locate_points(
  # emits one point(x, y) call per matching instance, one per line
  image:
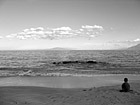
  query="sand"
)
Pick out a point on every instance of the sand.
point(100, 95)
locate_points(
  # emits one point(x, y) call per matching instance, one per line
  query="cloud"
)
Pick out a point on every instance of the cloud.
point(111, 45)
point(1, 37)
point(93, 27)
point(126, 43)
point(58, 33)
point(63, 29)
point(92, 31)
point(137, 40)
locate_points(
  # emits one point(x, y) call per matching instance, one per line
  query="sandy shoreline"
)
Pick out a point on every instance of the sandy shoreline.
point(67, 82)
point(103, 91)
point(108, 95)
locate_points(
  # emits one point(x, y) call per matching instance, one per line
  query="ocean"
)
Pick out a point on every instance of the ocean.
point(36, 62)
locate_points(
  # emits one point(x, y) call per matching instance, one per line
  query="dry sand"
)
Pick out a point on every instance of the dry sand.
point(104, 95)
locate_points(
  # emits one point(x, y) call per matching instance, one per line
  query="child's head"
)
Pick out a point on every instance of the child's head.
point(125, 79)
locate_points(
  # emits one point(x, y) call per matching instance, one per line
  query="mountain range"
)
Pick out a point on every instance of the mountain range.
point(136, 47)
point(60, 48)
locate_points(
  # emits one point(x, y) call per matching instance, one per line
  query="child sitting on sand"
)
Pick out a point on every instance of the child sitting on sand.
point(125, 86)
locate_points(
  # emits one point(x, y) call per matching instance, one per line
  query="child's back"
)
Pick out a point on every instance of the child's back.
point(125, 87)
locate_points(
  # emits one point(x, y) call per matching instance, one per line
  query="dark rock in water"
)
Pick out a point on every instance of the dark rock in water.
point(54, 63)
point(3, 68)
point(94, 62)
point(66, 62)
point(76, 62)
point(84, 65)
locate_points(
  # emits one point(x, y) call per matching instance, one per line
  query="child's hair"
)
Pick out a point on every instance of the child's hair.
point(125, 79)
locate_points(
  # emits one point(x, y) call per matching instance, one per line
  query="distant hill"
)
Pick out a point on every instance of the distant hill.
point(136, 47)
point(59, 48)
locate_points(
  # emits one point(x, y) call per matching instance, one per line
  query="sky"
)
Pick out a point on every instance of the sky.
point(76, 24)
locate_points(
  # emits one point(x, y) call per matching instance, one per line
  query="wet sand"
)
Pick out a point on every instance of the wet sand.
point(68, 82)
point(23, 93)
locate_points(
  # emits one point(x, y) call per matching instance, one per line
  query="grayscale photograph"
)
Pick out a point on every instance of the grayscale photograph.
point(69, 52)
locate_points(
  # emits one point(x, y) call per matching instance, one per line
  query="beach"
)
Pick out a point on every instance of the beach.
point(28, 91)
point(69, 52)
point(76, 78)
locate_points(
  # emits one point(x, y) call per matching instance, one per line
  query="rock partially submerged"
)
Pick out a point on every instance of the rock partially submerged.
point(79, 62)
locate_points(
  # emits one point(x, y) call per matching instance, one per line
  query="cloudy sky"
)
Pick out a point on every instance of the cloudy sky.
point(78, 24)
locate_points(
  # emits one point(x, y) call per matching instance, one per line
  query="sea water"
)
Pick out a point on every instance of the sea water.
point(41, 60)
